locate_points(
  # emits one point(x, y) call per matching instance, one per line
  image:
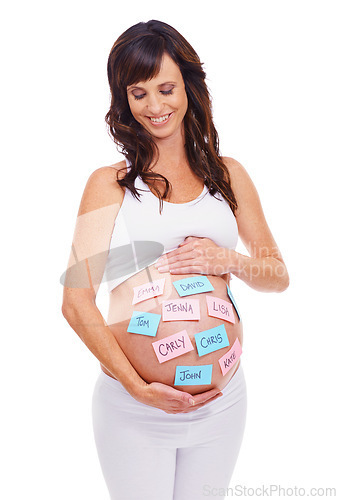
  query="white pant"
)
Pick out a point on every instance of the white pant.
point(147, 454)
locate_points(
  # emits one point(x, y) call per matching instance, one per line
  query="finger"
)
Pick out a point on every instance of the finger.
point(205, 396)
point(186, 266)
point(174, 253)
point(181, 399)
point(185, 261)
point(196, 400)
point(195, 407)
point(181, 250)
point(207, 401)
point(184, 409)
point(178, 260)
point(188, 239)
point(189, 255)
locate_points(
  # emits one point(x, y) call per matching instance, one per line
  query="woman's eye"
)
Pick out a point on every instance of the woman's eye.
point(163, 92)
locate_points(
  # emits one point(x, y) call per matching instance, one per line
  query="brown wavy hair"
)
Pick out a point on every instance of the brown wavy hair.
point(136, 56)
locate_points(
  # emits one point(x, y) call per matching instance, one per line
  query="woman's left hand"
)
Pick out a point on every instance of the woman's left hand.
point(197, 256)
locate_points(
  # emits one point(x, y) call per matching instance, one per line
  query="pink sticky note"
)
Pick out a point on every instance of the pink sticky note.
point(180, 309)
point(219, 308)
point(230, 358)
point(148, 290)
point(172, 346)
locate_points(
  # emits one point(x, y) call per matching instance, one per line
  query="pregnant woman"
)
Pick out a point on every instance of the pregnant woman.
point(161, 228)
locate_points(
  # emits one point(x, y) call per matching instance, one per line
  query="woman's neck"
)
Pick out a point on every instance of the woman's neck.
point(172, 157)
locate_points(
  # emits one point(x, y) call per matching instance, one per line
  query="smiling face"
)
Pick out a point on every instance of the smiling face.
point(160, 103)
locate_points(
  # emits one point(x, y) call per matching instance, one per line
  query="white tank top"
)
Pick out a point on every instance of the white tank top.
point(141, 234)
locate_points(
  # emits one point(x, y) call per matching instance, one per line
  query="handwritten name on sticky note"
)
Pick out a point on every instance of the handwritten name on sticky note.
point(230, 358)
point(190, 286)
point(148, 290)
point(144, 323)
point(211, 340)
point(193, 375)
point(172, 346)
point(231, 297)
point(219, 308)
point(180, 309)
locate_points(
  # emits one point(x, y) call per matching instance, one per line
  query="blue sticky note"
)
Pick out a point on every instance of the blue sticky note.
point(211, 340)
point(195, 284)
point(231, 297)
point(193, 375)
point(144, 323)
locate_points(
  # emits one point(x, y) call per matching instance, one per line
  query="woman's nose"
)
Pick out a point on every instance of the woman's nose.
point(155, 104)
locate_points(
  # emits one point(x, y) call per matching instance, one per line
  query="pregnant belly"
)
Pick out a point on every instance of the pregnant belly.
point(139, 349)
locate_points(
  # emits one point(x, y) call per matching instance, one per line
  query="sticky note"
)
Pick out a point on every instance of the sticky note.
point(144, 323)
point(148, 290)
point(230, 357)
point(193, 375)
point(211, 340)
point(219, 308)
point(231, 297)
point(172, 346)
point(195, 284)
point(180, 309)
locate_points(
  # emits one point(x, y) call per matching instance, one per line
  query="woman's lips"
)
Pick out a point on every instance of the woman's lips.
point(161, 122)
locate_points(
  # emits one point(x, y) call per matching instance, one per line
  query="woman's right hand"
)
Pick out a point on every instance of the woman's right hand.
point(171, 400)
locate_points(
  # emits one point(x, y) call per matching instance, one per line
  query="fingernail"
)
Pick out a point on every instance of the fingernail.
point(163, 268)
point(191, 401)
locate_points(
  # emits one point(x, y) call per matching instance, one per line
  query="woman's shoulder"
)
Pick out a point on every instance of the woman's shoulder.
point(234, 166)
point(102, 188)
point(108, 175)
point(243, 187)
point(239, 176)
point(111, 171)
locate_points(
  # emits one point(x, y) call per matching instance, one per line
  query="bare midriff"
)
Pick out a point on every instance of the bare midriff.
point(138, 348)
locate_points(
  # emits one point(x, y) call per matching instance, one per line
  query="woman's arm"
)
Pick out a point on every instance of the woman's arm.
point(99, 206)
point(98, 209)
point(263, 270)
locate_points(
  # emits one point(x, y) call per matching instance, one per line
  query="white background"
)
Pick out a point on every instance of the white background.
point(271, 68)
